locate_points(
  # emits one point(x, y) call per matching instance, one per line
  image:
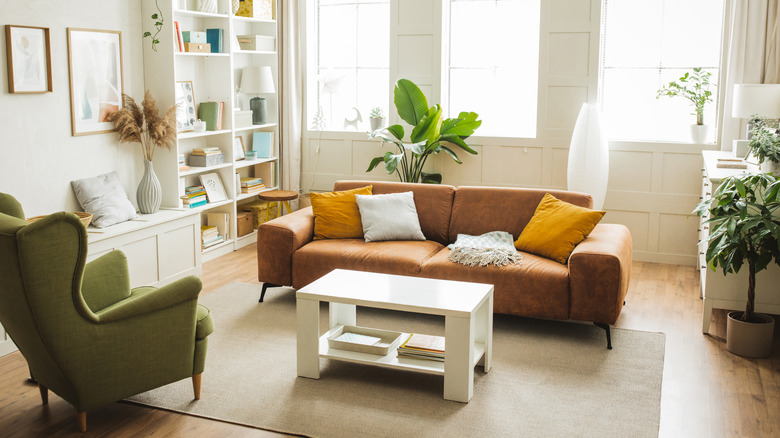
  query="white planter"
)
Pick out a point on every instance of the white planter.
point(750, 339)
point(699, 133)
point(376, 123)
point(770, 167)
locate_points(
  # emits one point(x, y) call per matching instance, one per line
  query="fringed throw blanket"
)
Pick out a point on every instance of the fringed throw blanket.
point(496, 247)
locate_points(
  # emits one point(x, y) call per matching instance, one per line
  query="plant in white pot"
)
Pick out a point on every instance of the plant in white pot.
point(745, 229)
point(694, 87)
point(376, 118)
point(765, 145)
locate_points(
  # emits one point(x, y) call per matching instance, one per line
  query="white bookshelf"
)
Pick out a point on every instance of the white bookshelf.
point(214, 77)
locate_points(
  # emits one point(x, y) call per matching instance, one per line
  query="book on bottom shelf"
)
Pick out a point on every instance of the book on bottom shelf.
point(418, 346)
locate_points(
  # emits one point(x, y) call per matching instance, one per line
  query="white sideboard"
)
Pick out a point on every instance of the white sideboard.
point(730, 291)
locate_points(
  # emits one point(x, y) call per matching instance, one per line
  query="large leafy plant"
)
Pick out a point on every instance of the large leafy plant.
point(765, 141)
point(431, 134)
point(744, 227)
point(694, 87)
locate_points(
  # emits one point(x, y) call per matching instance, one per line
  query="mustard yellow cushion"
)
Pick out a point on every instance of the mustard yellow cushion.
point(336, 214)
point(556, 228)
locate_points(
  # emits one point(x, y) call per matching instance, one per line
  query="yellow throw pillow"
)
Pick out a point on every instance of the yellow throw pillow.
point(336, 214)
point(556, 228)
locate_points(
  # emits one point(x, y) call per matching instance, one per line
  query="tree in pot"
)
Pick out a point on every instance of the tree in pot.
point(744, 228)
point(765, 145)
point(431, 134)
point(694, 87)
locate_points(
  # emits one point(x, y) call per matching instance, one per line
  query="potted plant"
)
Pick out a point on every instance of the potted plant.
point(376, 118)
point(431, 134)
point(765, 145)
point(744, 228)
point(696, 88)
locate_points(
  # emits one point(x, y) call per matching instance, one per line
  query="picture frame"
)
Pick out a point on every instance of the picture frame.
point(238, 149)
point(96, 79)
point(28, 55)
point(215, 190)
point(186, 113)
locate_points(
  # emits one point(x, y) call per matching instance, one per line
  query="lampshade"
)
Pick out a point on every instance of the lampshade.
point(760, 99)
point(257, 80)
point(588, 169)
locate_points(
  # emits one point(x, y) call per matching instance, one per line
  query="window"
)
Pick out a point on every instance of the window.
point(493, 64)
point(645, 46)
point(349, 61)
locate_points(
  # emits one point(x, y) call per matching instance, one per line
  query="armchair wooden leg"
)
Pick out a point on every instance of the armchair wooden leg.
point(44, 394)
point(196, 385)
point(82, 418)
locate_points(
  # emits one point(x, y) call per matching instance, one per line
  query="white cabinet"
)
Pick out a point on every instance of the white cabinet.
point(730, 291)
point(215, 77)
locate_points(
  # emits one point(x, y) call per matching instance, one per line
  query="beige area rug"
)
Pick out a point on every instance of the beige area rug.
point(548, 378)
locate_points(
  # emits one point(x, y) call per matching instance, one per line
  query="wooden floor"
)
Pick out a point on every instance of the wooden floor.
point(707, 391)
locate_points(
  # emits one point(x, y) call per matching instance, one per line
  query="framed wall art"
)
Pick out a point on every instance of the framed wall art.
point(238, 149)
point(28, 51)
point(185, 106)
point(215, 191)
point(96, 83)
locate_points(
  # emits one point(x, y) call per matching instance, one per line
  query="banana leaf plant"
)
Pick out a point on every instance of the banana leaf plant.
point(431, 134)
point(745, 227)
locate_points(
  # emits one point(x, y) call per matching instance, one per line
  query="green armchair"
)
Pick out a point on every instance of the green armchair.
point(84, 333)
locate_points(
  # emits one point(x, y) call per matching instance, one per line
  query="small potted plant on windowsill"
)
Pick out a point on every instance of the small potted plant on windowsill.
point(696, 88)
point(376, 118)
point(744, 228)
point(765, 145)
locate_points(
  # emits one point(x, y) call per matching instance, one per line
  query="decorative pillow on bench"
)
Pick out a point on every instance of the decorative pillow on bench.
point(389, 217)
point(104, 198)
point(556, 228)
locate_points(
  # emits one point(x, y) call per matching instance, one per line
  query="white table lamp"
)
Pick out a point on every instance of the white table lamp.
point(257, 80)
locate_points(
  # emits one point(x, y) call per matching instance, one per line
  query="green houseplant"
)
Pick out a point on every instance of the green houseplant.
point(765, 145)
point(745, 229)
point(431, 134)
point(694, 87)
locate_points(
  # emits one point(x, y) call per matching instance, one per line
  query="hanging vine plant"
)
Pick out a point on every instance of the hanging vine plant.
point(159, 20)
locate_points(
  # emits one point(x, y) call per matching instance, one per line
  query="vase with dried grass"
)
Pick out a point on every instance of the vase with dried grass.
point(146, 126)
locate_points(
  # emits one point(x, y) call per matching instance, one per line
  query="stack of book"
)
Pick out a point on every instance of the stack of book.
point(210, 236)
point(206, 151)
point(252, 185)
point(426, 347)
point(211, 113)
point(183, 164)
point(194, 196)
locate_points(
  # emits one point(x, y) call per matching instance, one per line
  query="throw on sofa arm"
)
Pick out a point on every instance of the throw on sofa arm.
point(277, 240)
point(599, 270)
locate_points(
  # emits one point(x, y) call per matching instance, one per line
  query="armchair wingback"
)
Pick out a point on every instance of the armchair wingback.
point(84, 333)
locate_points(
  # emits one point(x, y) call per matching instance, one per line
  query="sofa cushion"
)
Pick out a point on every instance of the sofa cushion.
point(400, 257)
point(389, 217)
point(556, 228)
point(538, 287)
point(433, 203)
point(479, 210)
point(336, 214)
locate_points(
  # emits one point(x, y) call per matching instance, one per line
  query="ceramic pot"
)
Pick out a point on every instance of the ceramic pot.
point(149, 194)
point(699, 133)
point(376, 123)
point(750, 339)
point(772, 167)
point(209, 6)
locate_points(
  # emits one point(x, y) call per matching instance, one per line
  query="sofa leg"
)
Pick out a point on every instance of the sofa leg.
point(44, 394)
point(266, 286)
point(81, 417)
point(609, 336)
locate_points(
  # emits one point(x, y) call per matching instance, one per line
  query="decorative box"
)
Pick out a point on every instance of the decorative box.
point(265, 9)
point(245, 225)
point(263, 43)
point(257, 210)
point(243, 118)
point(194, 37)
point(388, 340)
point(206, 160)
point(197, 47)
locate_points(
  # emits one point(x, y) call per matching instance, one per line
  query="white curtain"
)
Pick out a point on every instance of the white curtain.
point(291, 85)
point(753, 57)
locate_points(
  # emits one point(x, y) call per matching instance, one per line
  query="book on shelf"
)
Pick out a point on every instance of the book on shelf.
point(420, 346)
point(250, 181)
point(253, 189)
point(211, 113)
point(207, 151)
point(216, 241)
point(262, 143)
point(214, 37)
point(196, 205)
point(182, 162)
point(186, 200)
point(221, 220)
point(179, 39)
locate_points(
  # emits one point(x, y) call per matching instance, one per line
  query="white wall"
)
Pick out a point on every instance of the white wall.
point(38, 155)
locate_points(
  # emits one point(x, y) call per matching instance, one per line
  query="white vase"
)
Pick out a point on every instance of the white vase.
point(376, 123)
point(770, 167)
point(209, 6)
point(149, 194)
point(699, 133)
point(588, 169)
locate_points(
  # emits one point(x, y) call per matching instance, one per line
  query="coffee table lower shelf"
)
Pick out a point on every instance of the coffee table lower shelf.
point(391, 360)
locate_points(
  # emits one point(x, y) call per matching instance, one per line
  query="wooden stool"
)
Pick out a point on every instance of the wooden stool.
point(280, 196)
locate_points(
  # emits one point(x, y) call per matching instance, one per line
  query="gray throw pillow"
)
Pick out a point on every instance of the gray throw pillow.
point(104, 197)
point(389, 217)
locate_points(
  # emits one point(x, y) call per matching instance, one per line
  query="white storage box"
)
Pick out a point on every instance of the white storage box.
point(243, 119)
point(262, 43)
point(388, 340)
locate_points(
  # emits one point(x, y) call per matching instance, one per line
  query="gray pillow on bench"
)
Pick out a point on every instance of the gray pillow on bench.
point(104, 197)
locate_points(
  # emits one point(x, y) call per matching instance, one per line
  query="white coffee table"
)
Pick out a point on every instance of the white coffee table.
point(468, 323)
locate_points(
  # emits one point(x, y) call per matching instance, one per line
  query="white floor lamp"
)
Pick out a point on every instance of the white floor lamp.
point(588, 169)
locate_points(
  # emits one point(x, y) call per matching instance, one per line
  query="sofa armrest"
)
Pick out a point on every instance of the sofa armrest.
point(277, 240)
point(599, 270)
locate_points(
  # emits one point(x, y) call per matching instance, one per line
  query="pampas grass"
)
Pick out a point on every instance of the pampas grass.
point(144, 124)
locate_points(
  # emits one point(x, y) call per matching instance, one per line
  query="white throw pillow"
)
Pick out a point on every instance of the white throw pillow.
point(389, 217)
point(104, 197)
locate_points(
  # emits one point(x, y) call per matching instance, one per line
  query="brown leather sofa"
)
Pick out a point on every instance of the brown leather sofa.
point(591, 287)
